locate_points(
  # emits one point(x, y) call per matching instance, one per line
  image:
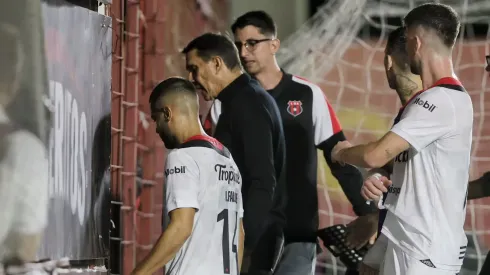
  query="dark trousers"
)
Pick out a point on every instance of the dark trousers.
point(266, 254)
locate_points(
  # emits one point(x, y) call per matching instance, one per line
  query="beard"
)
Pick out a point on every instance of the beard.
point(169, 141)
point(391, 81)
point(415, 66)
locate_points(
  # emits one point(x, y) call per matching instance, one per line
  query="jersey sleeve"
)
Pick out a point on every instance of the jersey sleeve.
point(325, 121)
point(427, 118)
point(182, 181)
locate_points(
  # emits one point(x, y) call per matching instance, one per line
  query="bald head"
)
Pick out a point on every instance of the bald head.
point(176, 93)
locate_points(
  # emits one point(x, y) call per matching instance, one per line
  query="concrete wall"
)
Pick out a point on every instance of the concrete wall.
point(288, 14)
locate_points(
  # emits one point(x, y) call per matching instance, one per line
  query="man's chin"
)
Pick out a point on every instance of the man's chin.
point(252, 69)
point(204, 94)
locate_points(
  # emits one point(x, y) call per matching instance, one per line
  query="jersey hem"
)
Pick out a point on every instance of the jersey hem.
point(385, 231)
point(182, 205)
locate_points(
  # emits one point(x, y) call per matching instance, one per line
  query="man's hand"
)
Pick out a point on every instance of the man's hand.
point(336, 151)
point(362, 230)
point(364, 269)
point(374, 187)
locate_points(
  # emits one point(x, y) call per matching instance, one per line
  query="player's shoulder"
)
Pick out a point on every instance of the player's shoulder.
point(181, 155)
point(442, 96)
point(318, 96)
point(307, 85)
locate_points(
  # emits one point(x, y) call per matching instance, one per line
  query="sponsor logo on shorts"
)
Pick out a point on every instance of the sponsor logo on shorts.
point(175, 170)
point(425, 104)
point(227, 173)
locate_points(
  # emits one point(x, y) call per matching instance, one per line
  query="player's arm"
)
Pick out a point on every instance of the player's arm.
point(25, 203)
point(241, 240)
point(479, 188)
point(181, 199)
point(328, 133)
point(256, 132)
point(170, 242)
point(418, 128)
point(374, 154)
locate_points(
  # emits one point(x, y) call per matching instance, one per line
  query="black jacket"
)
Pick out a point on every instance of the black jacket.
point(250, 127)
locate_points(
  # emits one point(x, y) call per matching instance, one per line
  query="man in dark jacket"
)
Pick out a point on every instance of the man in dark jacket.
point(309, 124)
point(250, 127)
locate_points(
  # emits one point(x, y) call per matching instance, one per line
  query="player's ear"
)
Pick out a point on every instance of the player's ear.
point(217, 64)
point(167, 114)
point(388, 62)
point(417, 43)
point(275, 44)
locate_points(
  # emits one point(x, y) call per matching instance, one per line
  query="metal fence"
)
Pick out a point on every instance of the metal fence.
point(147, 36)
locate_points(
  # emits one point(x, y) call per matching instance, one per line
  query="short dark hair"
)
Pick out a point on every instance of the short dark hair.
point(171, 85)
point(210, 45)
point(396, 41)
point(437, 17)
point(259, 19)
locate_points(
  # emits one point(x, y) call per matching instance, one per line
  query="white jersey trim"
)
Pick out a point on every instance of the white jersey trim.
point(325, 121)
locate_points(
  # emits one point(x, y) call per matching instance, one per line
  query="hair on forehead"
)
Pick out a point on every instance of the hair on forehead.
point(259, 19)
point(173, 88)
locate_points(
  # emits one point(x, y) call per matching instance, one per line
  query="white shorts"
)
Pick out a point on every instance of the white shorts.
point(397, 262)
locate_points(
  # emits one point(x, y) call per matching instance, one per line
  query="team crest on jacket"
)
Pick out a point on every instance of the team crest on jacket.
point(295, 107)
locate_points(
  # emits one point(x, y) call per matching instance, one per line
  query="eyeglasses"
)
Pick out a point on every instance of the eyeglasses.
point(250, 44)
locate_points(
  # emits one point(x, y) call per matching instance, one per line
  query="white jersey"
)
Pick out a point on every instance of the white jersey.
point(427, 201)
point(201, 174)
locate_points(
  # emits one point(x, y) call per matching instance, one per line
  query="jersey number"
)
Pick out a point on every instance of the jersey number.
point(223, 216)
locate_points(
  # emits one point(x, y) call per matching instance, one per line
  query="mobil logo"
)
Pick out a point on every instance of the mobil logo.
point(175, 170)
point(425, 104)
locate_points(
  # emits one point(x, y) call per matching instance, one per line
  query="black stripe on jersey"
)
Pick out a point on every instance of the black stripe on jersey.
point(452, 87)
point(204, 143)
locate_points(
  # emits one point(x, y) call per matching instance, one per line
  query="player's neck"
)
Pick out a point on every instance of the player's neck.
point(434, 68)
point(193, 128)
point(270, 76)
point(407, 86)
